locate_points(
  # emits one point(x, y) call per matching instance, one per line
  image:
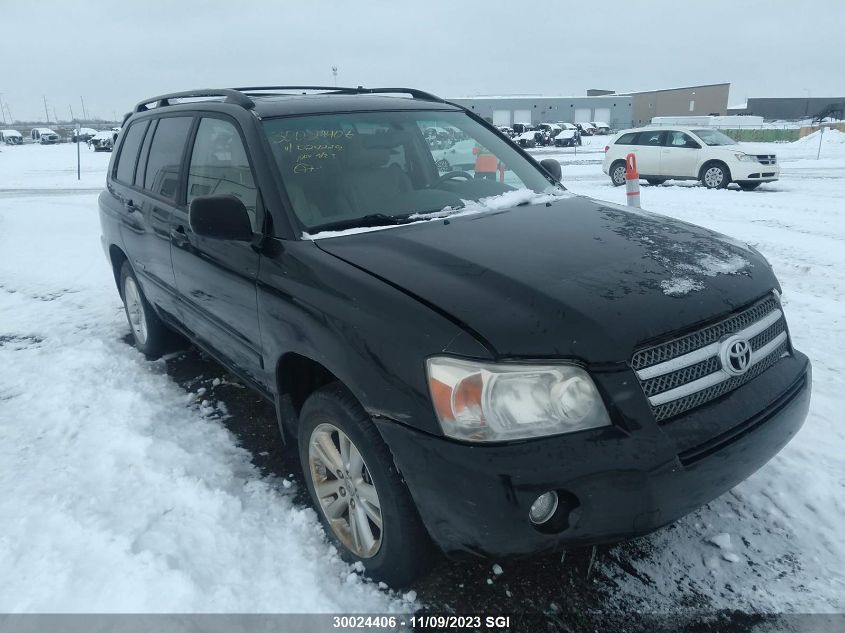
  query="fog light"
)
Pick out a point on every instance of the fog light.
point(543, 507)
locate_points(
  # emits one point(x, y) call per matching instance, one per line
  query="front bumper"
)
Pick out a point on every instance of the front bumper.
point(625, 482)
point(754, 171)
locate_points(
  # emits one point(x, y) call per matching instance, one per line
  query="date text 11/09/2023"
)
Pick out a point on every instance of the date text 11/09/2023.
point(424, 622)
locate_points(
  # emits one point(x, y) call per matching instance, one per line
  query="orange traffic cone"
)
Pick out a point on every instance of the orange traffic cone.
point(632, 181)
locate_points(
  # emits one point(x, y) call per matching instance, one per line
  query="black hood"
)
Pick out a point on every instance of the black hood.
point(572, 278)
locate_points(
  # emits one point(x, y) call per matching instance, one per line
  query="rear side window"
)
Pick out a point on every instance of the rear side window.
point(129, 152)
point(165, 158)
point(626, 139)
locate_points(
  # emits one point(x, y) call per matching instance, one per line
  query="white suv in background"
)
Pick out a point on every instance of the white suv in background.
point(680, 153)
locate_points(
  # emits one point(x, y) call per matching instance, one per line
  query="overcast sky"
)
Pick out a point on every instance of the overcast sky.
point(114, 53)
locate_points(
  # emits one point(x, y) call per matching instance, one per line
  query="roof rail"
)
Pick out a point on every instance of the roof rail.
point(230, 96)
point(416, 94)
point(241, 96)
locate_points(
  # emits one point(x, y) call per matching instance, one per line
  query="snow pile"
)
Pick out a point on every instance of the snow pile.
point(122, 493)
point(831, 136)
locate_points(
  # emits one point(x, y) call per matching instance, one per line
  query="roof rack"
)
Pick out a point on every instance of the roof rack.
point(241, 96)
point(416, 94)
point(229, 95)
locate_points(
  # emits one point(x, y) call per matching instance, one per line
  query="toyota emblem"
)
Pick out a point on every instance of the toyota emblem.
point(736, 356)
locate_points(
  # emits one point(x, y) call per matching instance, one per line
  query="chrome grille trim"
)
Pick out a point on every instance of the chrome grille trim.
point(716, 377)
point(687, 372)
point(704, 353)
point(709, 334)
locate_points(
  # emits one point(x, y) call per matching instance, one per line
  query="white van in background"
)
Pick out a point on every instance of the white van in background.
point(676, 153)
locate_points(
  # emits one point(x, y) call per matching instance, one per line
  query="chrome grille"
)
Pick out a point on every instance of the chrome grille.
point(687, 372)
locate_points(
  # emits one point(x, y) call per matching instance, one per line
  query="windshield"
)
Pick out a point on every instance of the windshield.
point(714, 137)
point(374, 168)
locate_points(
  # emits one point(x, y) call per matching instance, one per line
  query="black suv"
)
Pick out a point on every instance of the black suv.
point(477, 359)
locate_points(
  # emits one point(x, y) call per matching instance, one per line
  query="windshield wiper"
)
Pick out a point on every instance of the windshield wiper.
point(371, 219)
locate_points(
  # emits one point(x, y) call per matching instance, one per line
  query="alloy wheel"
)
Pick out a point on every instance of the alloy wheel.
point(346, 492)
point(135, 310)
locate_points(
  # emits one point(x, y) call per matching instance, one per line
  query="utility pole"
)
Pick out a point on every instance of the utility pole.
point(46, 113)
point(334, 72)
point(70, 107)
point(84, 113)
point(55, 116)
point(2, 111)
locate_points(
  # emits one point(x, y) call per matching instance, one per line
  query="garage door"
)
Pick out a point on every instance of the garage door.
point(582, 115)
point(602, 115)
point(502, 117)
point(522, 116)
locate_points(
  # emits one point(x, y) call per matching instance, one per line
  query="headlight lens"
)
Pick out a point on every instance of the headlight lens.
point(488, 402)
point(746, 158)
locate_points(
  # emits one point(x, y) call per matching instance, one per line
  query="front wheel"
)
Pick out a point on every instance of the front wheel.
point(715, 176)
point(357, 490)
point(617, 173)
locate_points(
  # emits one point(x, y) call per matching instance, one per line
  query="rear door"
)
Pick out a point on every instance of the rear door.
point(149, 205)
point(216, 278)
point(679, 156)
point(647, 150)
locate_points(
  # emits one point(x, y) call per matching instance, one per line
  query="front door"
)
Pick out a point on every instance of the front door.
point(216, 278)
point(679, 157)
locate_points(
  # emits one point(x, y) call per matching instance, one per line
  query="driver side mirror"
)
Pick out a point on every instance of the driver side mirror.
point(690, 144)
point(552, 167)
point(221, 217)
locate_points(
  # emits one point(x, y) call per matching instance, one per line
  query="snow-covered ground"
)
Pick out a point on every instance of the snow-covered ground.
point(776, 542)
point(124, 493)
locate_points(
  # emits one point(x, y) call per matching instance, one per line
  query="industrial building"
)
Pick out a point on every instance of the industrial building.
point(619, 110)
point(709, 99)
point(787, 108)
point(613, 109)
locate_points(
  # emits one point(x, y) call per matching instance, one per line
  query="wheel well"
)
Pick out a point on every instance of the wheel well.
point(298, 377)
point(117, 258)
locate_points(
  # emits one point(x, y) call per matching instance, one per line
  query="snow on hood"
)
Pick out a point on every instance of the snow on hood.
point(688, 270)
point(507, 200)
point(683, 280)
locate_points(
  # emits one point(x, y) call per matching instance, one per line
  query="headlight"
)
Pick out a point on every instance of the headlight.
point(488, 402)
point(746, 158)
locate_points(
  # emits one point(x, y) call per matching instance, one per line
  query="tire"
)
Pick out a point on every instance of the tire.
point(749, 186)
point(655, 181)
point(617, 173)
point(715, 175)
point(401, 550)
point(151, 336)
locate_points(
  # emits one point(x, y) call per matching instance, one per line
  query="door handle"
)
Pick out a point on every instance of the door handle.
point(179, 236)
